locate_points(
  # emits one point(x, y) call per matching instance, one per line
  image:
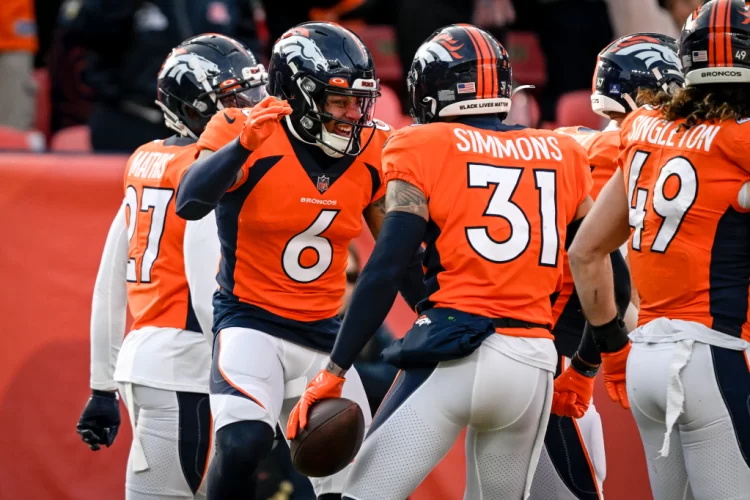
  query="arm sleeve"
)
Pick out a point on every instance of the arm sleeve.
point(109, 305)
point(206, 181)
point(399, 240)
point(202, 252)
point(413, 289)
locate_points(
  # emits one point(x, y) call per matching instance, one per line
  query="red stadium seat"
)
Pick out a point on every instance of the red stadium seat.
point(388, 109)
point(43, 111)
point(528, 60)
point(574, 108)
point(21, 140)
point(72, 139)
point(381, 40)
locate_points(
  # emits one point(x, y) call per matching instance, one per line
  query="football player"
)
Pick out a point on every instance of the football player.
point(493, 203)
point(162, 367)
point(573, 465)
point(290, 180)
point(680, 199)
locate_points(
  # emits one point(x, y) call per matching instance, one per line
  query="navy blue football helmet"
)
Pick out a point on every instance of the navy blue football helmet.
point(459, 70)
point(203, 75)
point(715, 43)
point(313, 61)
point(630, 63)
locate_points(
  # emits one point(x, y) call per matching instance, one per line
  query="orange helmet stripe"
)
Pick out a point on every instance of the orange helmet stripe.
point(727, 36)
point(494, 90)
point(721, 8)
point(712, 41)
point(480, 80)
point(487, 67)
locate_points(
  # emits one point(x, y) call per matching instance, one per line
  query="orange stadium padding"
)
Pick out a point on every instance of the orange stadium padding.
point(56, 210)
point(75, 139)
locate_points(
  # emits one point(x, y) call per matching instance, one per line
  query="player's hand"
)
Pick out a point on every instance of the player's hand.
point(325, 385)
point(573, 391)
point(613, 366)
point(222, 128)
point(262, 121)
point(100, 420)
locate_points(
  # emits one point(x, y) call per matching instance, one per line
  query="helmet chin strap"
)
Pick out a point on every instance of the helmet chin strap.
point(338, 142)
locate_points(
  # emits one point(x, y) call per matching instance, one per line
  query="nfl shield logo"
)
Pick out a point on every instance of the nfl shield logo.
point(323, 182)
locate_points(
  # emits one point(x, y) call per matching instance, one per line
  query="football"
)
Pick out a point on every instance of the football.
point(334, 433)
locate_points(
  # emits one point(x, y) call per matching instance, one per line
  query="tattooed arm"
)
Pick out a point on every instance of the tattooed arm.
point(400, 196)
point(399, 239)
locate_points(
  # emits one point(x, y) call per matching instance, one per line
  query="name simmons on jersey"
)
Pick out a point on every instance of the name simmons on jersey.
point(519, 148)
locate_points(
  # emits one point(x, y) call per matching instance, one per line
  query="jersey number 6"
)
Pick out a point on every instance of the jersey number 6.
point(311, 239)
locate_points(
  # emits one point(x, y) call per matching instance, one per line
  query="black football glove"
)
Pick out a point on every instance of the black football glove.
point(100, 420)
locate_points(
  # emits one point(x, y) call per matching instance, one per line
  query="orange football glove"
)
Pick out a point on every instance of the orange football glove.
point(222, 128)
point(573, 392)
point(325, 385)
point(262, 121)
point(613, 366)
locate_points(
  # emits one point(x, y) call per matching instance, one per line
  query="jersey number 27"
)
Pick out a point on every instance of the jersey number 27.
point(155, 200)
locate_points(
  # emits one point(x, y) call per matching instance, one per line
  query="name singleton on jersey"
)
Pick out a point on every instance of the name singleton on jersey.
point(655, 130)
point(519, 148)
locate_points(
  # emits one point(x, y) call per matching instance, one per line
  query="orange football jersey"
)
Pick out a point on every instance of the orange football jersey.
point(689, 247)
point(285, 227)
point(602, 149)
point(158, 292)
point(500, 203)
point(18, 30)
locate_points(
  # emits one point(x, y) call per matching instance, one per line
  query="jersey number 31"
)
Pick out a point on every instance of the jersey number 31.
point(506, 180)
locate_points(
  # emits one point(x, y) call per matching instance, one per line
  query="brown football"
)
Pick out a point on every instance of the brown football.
point(335, 430)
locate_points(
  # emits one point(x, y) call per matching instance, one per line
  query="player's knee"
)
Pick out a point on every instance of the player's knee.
point(243, 445)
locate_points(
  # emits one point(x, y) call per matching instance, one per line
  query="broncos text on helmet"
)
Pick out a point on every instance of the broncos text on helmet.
point(715, 43)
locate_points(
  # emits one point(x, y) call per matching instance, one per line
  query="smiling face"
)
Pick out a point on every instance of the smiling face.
point(342, 107)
